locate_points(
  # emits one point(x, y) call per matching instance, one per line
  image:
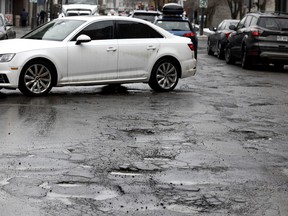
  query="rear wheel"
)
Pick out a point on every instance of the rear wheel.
point(220, 52)
point(209, 51)
point(36, 78)
point(245, 63)
point(228, 57)
point(279, 67)
point(164, 76)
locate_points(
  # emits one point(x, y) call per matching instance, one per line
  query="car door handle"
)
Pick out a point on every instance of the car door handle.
point(111, 49)
point(151, 48)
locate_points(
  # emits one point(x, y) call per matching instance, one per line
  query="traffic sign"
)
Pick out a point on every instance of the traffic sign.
point(203, 3)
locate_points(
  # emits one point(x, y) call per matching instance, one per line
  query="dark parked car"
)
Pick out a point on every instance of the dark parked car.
point(217, 42)
point(6, 29)
point(148, 15)
point(174, 21)
point(259, 38)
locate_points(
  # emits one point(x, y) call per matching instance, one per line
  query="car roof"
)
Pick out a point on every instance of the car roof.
point(146, 12)
point(269, 14)
point(92, 18)
point(231, 20)
point(172, 18)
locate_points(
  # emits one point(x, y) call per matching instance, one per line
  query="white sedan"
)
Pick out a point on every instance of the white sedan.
point(95, 50)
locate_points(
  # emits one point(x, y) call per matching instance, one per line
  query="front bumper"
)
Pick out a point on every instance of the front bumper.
point(9, 76)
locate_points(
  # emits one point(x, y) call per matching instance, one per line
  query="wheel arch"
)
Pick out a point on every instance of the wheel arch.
point(50, 63)
point(171, 58)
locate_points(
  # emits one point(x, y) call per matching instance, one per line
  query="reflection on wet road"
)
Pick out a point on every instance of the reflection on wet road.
point(217, 145)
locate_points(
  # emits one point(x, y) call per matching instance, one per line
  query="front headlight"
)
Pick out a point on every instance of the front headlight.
point(6, 57)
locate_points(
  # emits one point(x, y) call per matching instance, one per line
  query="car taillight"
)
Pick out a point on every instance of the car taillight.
point(227, 34)
point(191, 46)
point(190, 34)
point(256, 32)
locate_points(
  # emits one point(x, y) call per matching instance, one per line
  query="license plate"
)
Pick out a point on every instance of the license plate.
point(282, 38)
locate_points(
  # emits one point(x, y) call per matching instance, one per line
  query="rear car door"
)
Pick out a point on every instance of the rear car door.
point(138, 46)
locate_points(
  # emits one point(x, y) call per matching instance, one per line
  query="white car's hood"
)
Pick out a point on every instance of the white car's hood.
point(21, 45)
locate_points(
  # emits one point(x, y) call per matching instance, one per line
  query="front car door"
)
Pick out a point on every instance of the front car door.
point(236, 42)
point(93, 61)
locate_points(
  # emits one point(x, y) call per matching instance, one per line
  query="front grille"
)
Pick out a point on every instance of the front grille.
point(3, 78)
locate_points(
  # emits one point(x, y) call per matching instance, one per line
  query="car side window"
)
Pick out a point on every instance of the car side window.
point(1, 21)
point(102, 30)
point(253, 21)
point(241, 24)
point(248, 21)
point(220, 26)
point(133, 30)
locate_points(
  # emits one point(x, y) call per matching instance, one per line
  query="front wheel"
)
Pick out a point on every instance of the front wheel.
point(209, 50)
point(220, 52)
point(228, 57)
point(164, 76)
point(36, 78)
point(245, 63)
point(279, 67)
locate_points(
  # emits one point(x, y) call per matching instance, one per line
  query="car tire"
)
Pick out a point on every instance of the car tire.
point(209, 51)
point(220, 52)
point(164, 76)
point(228, 57)
point(36, 78)
point(245, 62)
point(279, 67)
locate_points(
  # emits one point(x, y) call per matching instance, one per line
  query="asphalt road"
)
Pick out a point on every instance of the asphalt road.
point(215, 146)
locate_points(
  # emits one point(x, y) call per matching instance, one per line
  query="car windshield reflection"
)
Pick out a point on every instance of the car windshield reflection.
point(55, 30)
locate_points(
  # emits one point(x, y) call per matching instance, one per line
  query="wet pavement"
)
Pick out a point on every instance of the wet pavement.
point(215, 146)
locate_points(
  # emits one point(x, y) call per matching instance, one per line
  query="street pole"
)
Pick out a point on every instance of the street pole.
point(51, 10)
point(34, 14)
point(202, 21)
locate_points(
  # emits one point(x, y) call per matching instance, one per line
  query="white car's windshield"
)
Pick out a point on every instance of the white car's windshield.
point(56, 30)
point(92, 2)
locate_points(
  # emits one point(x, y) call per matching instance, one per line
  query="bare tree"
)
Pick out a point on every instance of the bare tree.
point(236, 8)
point(210, 11)
point(262, 5)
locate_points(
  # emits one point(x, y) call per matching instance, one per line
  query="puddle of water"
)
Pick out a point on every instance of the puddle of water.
point(285, 171)
point(65, 198)
point(125, 174)
point(5, 181)
point(69, 185)
point(157, 159)
point(182, 209)
point(188, 183)
point(45, 185)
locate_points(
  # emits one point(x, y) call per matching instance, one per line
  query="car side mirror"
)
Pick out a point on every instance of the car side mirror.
point(8, 24)
point(213, 29)
point(82, 39)
point(232, 27)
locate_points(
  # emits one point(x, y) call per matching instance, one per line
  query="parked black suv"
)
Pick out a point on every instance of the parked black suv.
point(174, 21)
point(259, 38)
